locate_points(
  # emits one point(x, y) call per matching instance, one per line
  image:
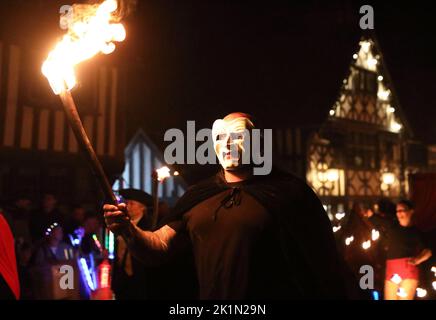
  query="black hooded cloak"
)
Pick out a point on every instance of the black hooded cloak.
point(306, 242)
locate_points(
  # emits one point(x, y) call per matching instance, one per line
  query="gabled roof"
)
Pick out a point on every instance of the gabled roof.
point(141, 137)
point(369, 57)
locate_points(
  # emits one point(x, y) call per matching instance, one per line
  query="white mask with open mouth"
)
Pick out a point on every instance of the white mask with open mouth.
point(229, 136)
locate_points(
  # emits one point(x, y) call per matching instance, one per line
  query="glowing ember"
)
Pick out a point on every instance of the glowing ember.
point(421, 293)
point(366, 245)
point(434, 285)
point(433, 269)
point(396, 279)
point(375, 235)
point(339, 215)
point(92, 31)
point(163, 173)
point(335, 229)
point(349, 240)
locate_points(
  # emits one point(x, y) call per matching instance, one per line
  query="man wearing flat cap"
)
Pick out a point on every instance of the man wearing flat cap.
point(129, 275)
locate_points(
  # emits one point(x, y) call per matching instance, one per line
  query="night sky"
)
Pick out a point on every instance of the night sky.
point(197, 60)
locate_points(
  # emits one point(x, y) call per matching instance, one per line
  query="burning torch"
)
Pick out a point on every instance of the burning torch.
point(92, 30)
point(158, 175)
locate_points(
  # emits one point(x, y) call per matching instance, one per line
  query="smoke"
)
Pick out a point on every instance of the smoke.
point(125, 8)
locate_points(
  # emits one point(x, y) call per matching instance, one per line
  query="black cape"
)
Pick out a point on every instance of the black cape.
point(316, 271)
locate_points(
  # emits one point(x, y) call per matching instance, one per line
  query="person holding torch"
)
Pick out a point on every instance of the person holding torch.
point(251, 236)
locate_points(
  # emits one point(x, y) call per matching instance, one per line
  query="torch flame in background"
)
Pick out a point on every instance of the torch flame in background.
point(349, 240)
point(366, 245)
point(163, 173)
point(375, 234)
point(93, 30)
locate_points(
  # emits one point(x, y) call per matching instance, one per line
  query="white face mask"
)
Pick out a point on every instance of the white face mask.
point(228, 140)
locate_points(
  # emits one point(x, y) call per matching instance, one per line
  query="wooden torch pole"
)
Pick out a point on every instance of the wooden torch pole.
point(86, 146)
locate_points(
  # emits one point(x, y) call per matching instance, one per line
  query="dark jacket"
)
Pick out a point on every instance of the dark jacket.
point(133, 287)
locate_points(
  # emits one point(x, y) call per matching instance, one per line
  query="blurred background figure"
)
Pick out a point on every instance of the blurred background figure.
point(53, 249)
point(356, 232)
point(75, 220)
point(92, 227)
point(9, 283)
point(129, 279)
point(49, 256)
point(45, 215)
point(406, 251)
point(19, 212)
point(24, 256)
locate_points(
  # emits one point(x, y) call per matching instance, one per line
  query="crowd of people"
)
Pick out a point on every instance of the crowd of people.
point(233, 236)
point(384, 237)
point(49, 234)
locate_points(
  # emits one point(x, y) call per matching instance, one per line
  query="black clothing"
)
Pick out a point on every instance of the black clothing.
point(236, 249)
point(70, 226)
point(137, 195)
point(40, 221)
point(287, 229)
point(403, 242)
point(19, 223)
point(5, 291)
point(134, 287)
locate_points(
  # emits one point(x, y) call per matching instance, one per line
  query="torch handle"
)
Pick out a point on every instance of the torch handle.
point(85, 145)
point(155, 195)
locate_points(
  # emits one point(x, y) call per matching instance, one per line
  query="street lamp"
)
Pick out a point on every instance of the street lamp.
point(388, 179)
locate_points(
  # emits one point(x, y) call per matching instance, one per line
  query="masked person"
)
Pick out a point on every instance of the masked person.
point(129, 277)
point(251, 236)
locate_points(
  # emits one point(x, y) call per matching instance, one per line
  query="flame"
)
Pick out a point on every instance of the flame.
point(375, 234)
point(421, 293)
point(349, 240)
point(163, 173)
point(92, 31)
point(366, 245)
point(340, 215)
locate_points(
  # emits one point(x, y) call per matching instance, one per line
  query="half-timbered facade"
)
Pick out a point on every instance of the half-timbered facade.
point(363, 150)
point(142, 157)
point(38, 150)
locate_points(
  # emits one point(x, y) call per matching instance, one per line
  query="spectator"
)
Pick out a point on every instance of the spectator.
point(47, 214)
point(129, 274)
point(20, 212)
point(53, 249)
point(406, 250)
point(76, 220)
